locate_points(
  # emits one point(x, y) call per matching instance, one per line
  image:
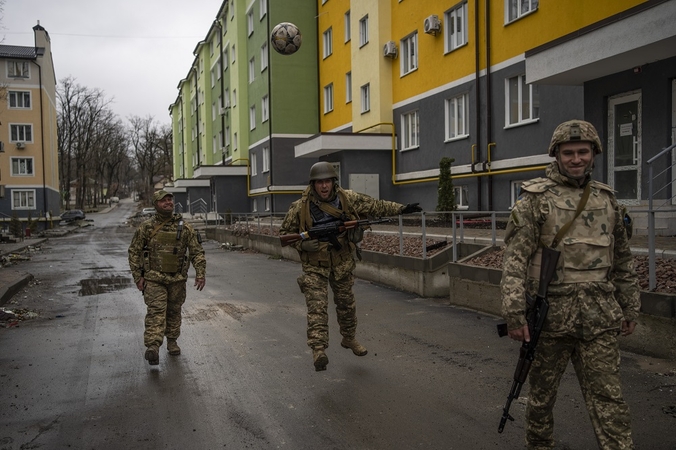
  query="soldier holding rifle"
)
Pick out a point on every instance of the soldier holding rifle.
point(328, 259)
point(593, 296)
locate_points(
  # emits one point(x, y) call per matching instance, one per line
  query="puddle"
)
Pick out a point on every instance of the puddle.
point(94, 286)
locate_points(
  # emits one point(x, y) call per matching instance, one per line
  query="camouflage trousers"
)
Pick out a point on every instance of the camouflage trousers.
point(596, 365)
point(163, 316)
point(315, 288)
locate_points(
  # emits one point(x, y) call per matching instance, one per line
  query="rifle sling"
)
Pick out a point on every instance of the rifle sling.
point(580, 207)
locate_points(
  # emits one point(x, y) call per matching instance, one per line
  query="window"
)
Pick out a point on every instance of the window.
point(516, 191)
point(263, 9)
point(213, 77)
point(410, 130)
point(409, 54)
point(232, 54)
point(264, 56)
point(254, 205)
point(252, 69)
point(348, 87)
point(363, 31)
point(456, 27)
point(21, 133)
point(17, 69)
point(515, 9)
point(265, 108)
point(348, 32)
point(254, 165)
point(522, 101)
point(226, 58)
point(227, 136)
point(249, 23)
point(461, 197)
point(234, 98)
point(214, 143)
point(328, 42)
point(234, 141)
point(213, 111)
point(267, 203)
point(22, 166)
point(328, 98)
point(365, 98)
point(226, 98)
point(252, 117)
point(23, 199)
point(457, 117)
point(266, 159)
point(19, 99)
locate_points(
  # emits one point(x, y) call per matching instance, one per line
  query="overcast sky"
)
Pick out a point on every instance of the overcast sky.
point(136, 51)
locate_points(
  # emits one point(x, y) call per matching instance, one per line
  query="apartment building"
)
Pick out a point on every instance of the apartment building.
point(242, 108)
point(29, 174)
point(401, 84)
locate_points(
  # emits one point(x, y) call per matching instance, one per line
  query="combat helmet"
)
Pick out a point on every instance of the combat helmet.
point(322, 170)
point(575, 130)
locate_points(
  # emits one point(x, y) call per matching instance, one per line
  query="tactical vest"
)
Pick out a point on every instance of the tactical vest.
point(327, 256)
point(587, 248)
point(166, 253)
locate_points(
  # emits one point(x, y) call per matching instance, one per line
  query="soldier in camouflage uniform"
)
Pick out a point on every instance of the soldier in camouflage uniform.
point(159, 257)
point(593, 298)
point(324, 202)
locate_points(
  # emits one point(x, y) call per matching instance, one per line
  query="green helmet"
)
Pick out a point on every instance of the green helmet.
point(322, 170)
point(575, 130)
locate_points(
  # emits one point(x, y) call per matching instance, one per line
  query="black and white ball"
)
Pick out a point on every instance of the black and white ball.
point(286, 38)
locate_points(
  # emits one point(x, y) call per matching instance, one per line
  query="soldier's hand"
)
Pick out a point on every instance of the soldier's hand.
point(520, 334)
point(141, 284)
point(628, 328)
point(199, 283)
point(310, 245)
point(411, 208)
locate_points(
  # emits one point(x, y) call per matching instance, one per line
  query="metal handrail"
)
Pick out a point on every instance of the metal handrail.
point(652, 277)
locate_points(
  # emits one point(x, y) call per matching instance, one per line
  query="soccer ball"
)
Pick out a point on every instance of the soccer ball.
point(285, 38)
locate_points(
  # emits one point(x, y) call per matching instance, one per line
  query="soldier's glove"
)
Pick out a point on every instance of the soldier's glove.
point(310, 245)
point(410, 208)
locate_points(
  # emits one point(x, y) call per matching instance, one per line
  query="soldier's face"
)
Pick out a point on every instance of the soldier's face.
point(165, 204)
point(324, 188)
point(575, 159)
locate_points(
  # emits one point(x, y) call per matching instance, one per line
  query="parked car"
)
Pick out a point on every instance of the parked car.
point(73, 214)
point(114, 199)
point(148, 211)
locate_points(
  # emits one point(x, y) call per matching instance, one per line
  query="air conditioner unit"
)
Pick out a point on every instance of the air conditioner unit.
point(390, 49)
point(20, 145)
point(432, 25)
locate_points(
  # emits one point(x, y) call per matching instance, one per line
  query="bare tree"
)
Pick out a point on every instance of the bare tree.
point(151, 151)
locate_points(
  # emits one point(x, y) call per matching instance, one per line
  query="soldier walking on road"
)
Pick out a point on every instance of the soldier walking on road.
point(159, 257)
point(593, 297)
point(324, 202)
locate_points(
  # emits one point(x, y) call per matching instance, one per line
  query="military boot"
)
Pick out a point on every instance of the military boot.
point(152, 355)
point(354, 345)
point(172, 347)
point(320, 359)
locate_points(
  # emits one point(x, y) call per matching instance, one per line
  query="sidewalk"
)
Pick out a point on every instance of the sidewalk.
point(12, 280)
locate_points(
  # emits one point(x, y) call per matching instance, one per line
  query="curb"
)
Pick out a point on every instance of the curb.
point(9, 290)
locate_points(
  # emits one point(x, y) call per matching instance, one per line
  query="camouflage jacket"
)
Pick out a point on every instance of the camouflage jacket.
point(595, 286)
point(156, 254)
point(328, 259)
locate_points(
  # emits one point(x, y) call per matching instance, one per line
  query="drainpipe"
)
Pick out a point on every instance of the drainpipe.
point(42, 139)
point(222, 74)
point(477, 98)
point(270, 115)
point(489, 100)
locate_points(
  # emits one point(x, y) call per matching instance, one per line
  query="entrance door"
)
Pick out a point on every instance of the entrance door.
point(624, 146)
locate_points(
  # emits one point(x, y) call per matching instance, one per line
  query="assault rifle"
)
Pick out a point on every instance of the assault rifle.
point(536, 312)
point(329, 231)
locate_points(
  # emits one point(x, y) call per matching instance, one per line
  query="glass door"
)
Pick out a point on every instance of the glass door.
point(624, 147)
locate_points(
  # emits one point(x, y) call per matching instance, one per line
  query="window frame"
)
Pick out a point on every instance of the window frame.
point(533, 97)
point(408, 47)
point(265, 108)
point(262, 9)
point(265, 55)
point(29, 163)
point(30, 193)
point(266, 159)
point(410, 130)
point(519, 13)
point(254, 164)
point(18, 127)
point(461, 200)
point(252, 69)
point(363, 31)
point(347, 22)
point(328, 98)
point(249, 23)
point(252, 117)
point(451, 41)
point(13, 65)
point(451, 109)
point(16, 95)
point(365, 93)
point(348, 87)
point(327, 43)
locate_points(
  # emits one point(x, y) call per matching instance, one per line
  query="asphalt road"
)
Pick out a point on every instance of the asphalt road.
point(436, 377)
